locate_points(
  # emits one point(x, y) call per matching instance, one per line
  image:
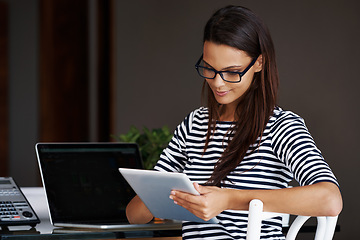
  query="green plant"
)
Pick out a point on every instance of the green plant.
point(151, 142)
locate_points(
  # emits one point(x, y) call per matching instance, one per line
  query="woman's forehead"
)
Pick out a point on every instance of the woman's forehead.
point(220, 55)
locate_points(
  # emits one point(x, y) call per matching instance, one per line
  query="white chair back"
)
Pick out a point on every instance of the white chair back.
point(324, 231)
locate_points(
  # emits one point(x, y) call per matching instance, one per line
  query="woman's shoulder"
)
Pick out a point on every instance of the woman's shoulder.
point(281, 113)
point(201, 111)
point(282, 117)
point(199, 114)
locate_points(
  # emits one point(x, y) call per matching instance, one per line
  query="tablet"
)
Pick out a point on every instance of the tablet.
point(154, 189)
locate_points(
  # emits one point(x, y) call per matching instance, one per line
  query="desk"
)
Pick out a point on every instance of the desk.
point(171, 230)
point(168, 231)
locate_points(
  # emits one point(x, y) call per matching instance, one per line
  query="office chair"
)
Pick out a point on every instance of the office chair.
point(324, 231)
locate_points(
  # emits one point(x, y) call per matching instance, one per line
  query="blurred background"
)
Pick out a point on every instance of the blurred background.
point(83, 70)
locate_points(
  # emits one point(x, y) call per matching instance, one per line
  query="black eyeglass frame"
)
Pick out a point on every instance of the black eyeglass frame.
point(197, 66)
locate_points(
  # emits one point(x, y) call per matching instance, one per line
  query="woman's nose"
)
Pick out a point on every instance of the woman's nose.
point(218, 81)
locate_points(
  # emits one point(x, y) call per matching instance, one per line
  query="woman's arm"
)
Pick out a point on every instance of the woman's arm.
point(137, 212)
point(319, 199)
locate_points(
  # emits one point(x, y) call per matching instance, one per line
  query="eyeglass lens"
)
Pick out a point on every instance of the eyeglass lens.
point(227, 76)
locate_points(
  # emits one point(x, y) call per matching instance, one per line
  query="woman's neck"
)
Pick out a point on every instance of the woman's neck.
point(227, 113)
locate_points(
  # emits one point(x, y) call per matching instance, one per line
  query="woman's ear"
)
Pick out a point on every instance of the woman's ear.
point(259, 63)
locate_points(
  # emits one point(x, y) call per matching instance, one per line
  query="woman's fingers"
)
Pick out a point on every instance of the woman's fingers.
point(204, 206)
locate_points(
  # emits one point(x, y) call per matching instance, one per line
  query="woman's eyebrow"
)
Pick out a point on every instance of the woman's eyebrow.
point(230, 67)
point(224, 69)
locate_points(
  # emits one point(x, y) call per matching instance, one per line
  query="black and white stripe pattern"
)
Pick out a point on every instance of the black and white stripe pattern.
point(286, 151)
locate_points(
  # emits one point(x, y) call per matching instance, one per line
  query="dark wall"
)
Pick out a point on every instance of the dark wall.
point(23, 50)
point(317, 43)
point(157, 45)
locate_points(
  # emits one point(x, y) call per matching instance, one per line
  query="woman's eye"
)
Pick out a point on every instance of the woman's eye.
point(231, 73)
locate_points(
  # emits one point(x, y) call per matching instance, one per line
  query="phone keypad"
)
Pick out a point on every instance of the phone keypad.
point(14, 208)
point(8, 211)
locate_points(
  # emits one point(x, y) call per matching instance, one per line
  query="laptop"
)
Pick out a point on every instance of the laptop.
point(83, 186)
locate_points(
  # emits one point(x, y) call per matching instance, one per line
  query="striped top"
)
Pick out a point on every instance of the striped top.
point(286, 151)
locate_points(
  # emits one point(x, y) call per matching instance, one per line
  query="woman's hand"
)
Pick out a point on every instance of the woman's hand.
point(211, 202)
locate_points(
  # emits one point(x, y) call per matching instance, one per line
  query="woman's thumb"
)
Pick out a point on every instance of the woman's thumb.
point(199, 188)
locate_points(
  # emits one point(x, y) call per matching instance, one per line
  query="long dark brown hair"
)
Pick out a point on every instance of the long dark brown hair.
point(240, 28)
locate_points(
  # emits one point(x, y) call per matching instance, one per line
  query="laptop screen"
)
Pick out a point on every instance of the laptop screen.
point(82, 181)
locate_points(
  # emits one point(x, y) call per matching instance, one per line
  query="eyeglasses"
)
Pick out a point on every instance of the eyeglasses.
point(227, 76)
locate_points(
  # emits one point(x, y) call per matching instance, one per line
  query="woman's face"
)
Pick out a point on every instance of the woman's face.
point(226, 58)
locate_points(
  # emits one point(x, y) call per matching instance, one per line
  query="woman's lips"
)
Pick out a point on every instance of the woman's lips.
point(221, 93)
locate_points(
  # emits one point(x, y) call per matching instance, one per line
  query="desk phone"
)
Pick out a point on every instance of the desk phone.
point(14, 207)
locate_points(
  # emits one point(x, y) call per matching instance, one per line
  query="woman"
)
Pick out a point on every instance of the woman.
point(243, 146)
